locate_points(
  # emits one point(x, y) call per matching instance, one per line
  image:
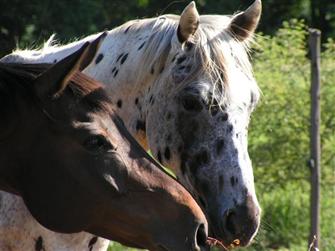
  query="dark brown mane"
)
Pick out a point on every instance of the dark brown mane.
point(90, 91)
point(15, 76)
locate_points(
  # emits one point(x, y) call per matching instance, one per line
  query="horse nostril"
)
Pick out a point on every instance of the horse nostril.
point(230, 222)
point(201, 236)
point(240, 223)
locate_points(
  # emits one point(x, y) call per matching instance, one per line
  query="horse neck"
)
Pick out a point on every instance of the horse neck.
point(120, 67)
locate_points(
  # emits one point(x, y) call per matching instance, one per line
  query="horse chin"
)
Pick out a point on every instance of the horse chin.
point(133, 242)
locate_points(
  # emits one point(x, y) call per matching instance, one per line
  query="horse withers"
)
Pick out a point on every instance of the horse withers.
point(70, 157)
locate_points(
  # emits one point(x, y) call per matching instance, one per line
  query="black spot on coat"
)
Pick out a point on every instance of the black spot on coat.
point(219, 146)
point(233, 180)
point(92, 242)
point(214, 110)
point(119, 57)
point(140, 125)
point(124, 58)
point(181, 59)
point(141, 46)
point(224, 117)
point(159, 156)
point(99, 58)
point(119, 103)
point(168, 116)
point(151, 100)
point(167, 153)
point(187, 129)
point(221, 182)
point(39, 244)
point(198, 161)
point(126, 30)
point(230, 128)
point(202, 158)
point(115, 73)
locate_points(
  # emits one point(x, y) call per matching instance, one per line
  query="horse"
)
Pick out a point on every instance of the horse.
point(185, 89)
point(69, 156)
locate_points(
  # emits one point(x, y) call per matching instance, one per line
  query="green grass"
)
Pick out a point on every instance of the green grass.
point(114, 246)
point(285, 223)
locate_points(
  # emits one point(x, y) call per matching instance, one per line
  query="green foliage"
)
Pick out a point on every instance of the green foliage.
point(26, 23)
point(280, 125)
point(279, 139)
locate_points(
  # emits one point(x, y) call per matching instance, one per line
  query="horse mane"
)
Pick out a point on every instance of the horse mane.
point(15, 77)
point(215, 51)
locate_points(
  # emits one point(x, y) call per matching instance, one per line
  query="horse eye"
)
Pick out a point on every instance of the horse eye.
point(191, 103)
point(97, 144)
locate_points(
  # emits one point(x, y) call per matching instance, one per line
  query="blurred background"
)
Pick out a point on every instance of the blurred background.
point(279, 131)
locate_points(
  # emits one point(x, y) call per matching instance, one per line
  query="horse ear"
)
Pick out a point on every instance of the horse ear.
point(188, 23)
point(244, 24)
point(53, 81)
point(92, 50)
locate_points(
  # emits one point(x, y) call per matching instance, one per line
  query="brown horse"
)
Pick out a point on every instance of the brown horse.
point(64, 150)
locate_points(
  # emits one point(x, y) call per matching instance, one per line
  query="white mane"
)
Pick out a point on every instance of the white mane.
point(216, 51)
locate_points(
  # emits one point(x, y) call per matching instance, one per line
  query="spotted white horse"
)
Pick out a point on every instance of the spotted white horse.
point(185, 89)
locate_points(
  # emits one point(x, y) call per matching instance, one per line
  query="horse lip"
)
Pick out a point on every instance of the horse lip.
point(228, 242)
point(215, 229)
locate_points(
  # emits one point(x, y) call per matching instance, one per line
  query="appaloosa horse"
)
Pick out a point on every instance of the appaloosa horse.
point(77, 168)
point(184, 87)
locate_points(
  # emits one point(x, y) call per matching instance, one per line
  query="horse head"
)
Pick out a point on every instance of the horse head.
point(198, 111)
point(78, 168)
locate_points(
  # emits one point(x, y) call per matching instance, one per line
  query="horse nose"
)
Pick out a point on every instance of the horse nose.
point(241, 223)
point(201, 238)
